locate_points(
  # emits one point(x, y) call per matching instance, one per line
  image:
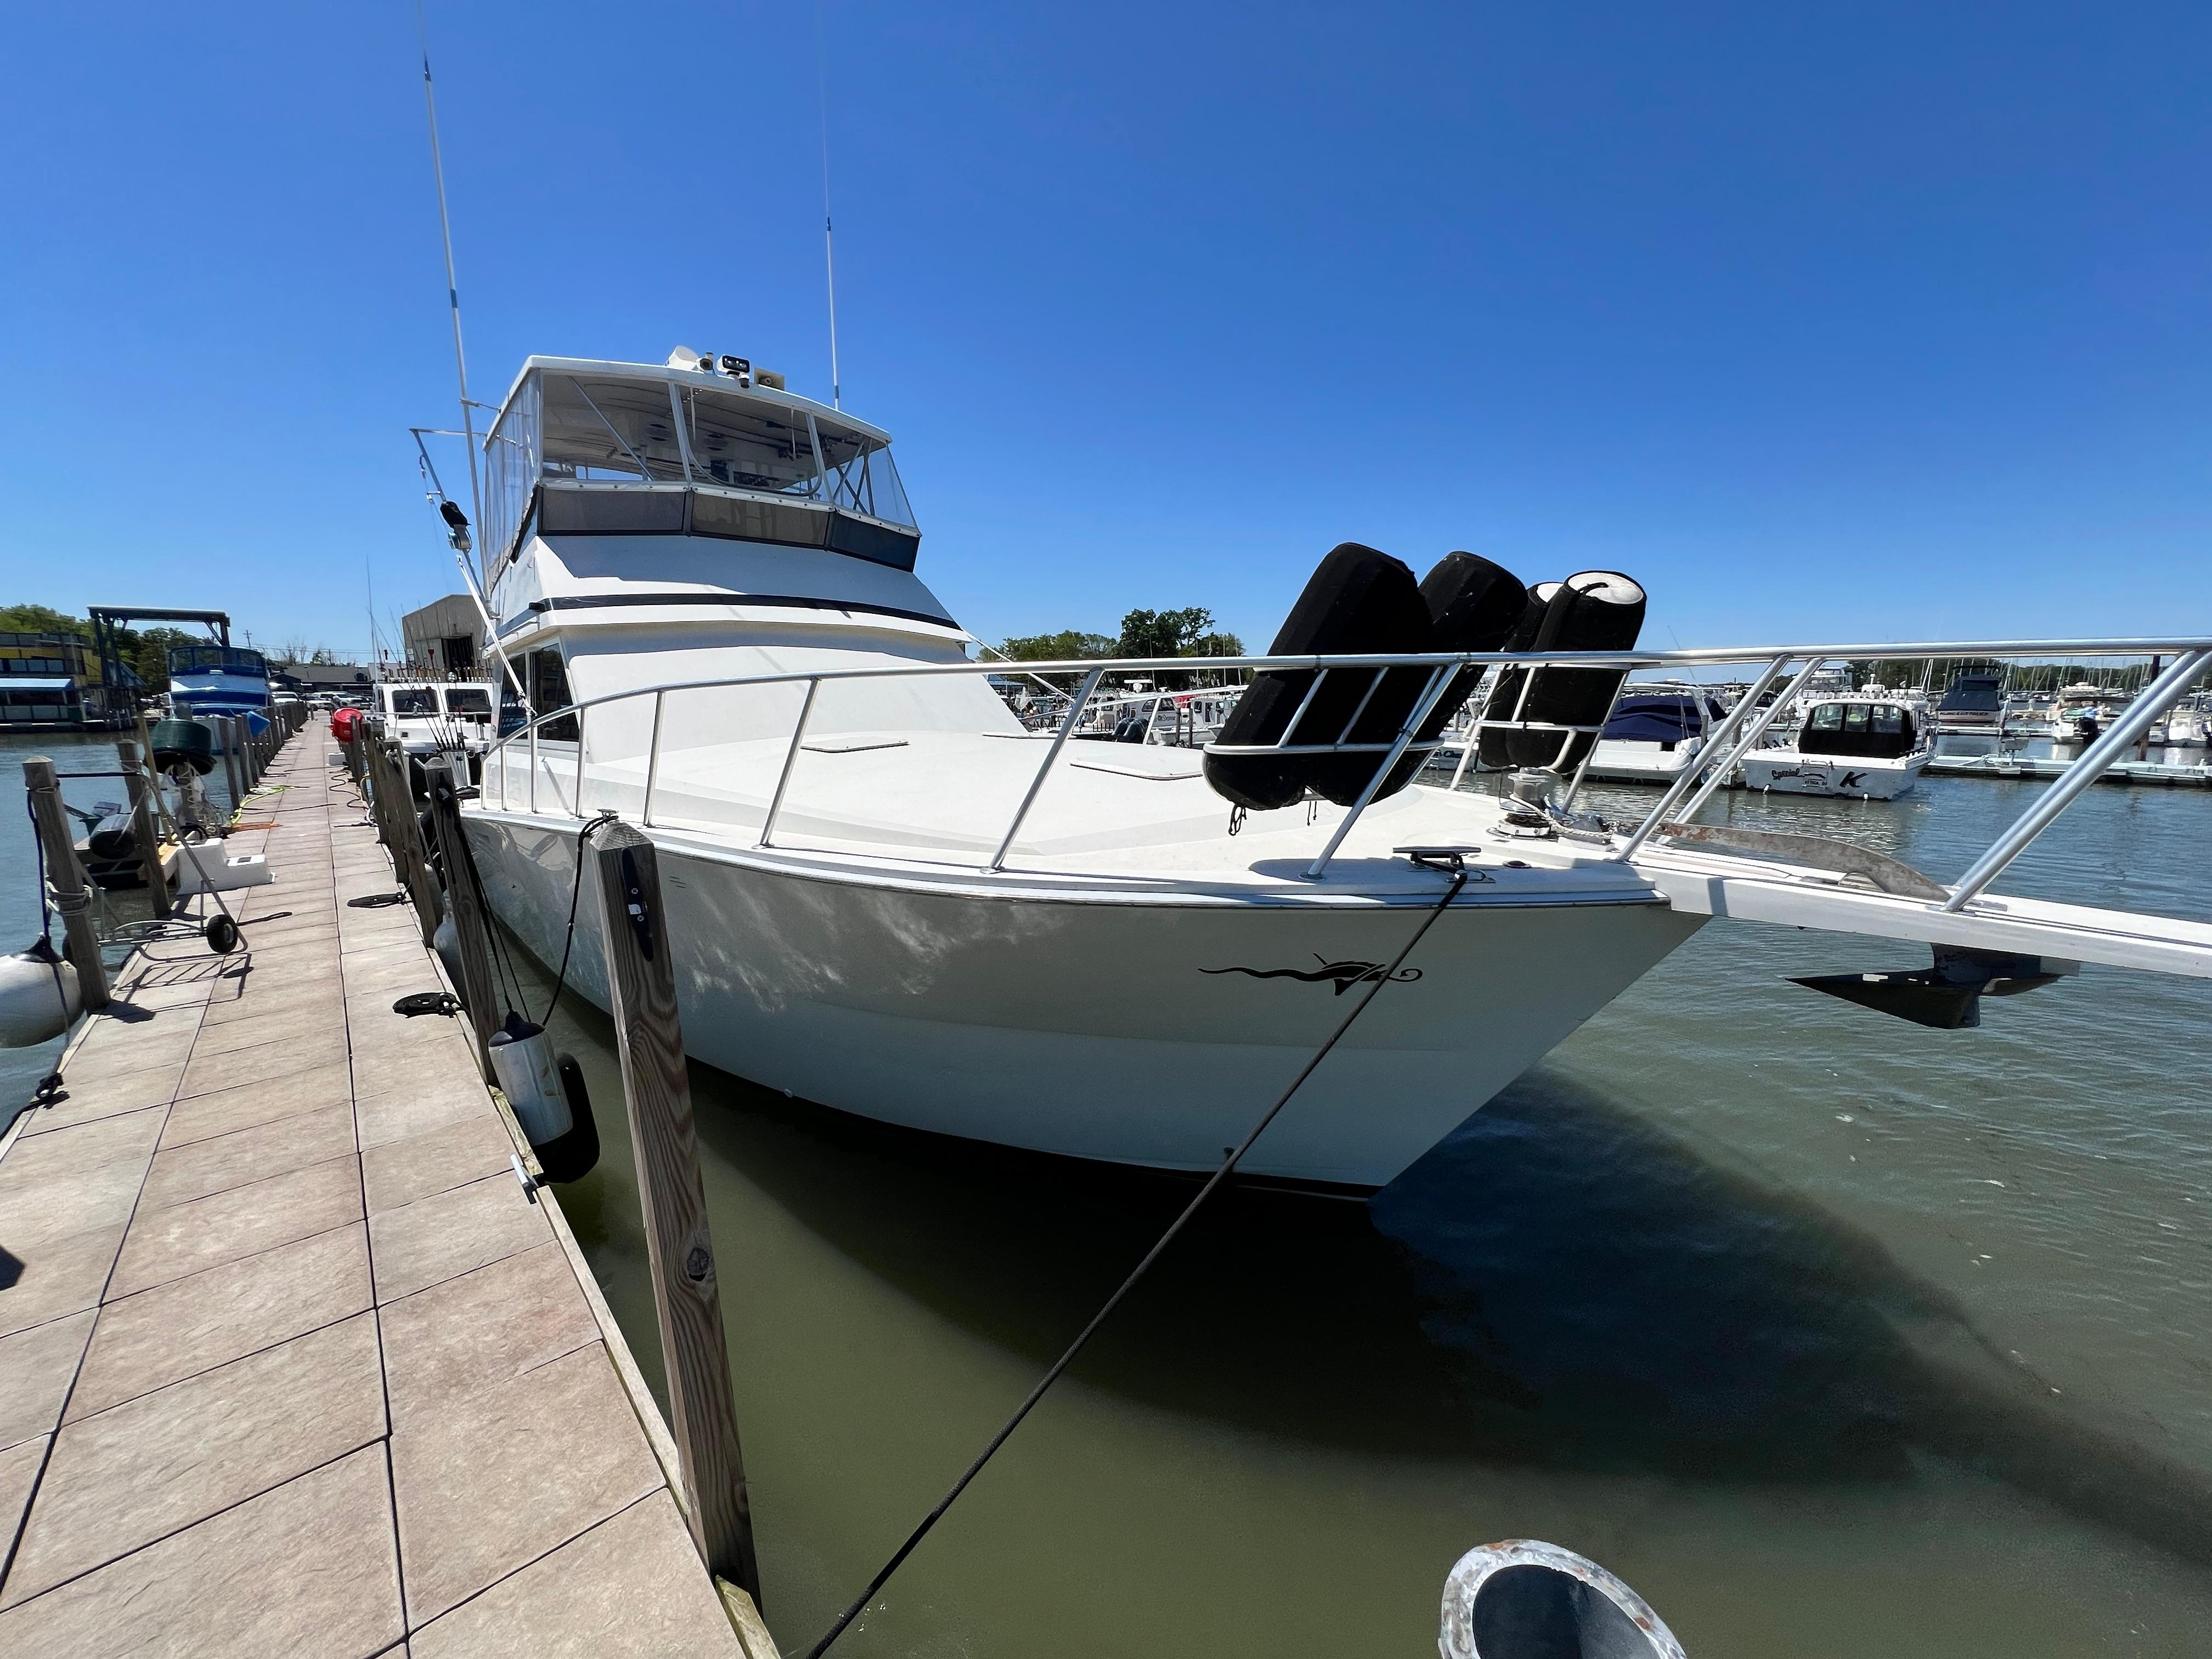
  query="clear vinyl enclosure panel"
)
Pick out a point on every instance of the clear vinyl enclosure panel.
point(722, 462)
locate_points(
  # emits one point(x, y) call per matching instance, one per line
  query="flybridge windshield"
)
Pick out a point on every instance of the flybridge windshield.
point(217, 660)
point(570, 429)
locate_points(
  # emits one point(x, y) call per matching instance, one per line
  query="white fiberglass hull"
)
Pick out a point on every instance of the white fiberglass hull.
point(1856, 777)
point(1620, 761)
point(1137, 1029)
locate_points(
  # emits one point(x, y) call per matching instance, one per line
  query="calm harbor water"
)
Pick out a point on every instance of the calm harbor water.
point(1831, 1335)
point(21, 1068)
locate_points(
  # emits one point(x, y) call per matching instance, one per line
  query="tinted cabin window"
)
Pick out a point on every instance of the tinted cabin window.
point(1875, 731)
point(549, 690)
point(414, 700)
point(468, 700)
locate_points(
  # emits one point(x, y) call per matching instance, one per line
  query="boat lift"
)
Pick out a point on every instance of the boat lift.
point(117, 678)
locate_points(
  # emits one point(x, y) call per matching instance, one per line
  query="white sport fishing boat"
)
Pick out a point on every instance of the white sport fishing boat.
point(431, 717)
point(1866, 746)
point(893, 900)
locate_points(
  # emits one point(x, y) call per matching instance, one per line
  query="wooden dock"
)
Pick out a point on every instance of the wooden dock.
point(292, 1362)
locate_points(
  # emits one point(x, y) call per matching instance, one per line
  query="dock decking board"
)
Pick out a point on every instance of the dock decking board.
point(289, 1362)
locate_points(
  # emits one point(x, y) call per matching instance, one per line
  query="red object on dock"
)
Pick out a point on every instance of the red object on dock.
point(342, 722)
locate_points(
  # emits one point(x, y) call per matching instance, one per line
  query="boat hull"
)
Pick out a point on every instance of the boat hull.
point(1788, 773)
point(1135, 1030)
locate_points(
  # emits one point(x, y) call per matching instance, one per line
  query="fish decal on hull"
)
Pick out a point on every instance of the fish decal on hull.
point(1344, 975)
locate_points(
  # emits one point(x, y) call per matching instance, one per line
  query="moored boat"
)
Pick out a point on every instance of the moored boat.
point(898, 901)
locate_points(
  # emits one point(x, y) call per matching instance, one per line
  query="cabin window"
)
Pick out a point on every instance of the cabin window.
point(761, 469)
point(412, 701)
point(570, 512)
point(467, 700)
point(1828, 717)
point(1889, 720)
point(548, 691)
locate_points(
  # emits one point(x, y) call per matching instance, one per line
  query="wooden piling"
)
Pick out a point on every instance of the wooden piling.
point(145, 832)
point(233, 769)
point(471, 923)
point(642, 985)
point(66, 877)
point(403, 828)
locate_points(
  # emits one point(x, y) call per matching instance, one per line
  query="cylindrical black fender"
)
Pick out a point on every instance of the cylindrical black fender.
point(1593, 610)
point(1473, 606)
point(1496, 750)
point(1357, 602)
point(573, 1156)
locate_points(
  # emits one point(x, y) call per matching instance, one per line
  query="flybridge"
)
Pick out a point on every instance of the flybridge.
point(584, 447)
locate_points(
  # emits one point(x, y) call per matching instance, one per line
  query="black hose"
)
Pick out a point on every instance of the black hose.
point(1376, 983)
point(574, 892)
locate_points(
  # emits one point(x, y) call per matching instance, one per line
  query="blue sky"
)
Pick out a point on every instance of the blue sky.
point(1885, 322)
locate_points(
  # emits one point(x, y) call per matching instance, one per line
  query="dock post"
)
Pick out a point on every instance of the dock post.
point(641, 997)
point(403, 833)
point(66, 877)
point(143, 829)
point(471, 925)
point(233, 769)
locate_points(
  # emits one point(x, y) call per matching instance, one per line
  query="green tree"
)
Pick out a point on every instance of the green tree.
point(1069, 645)
point(1163, 632)
point(151, 656)
point(42, 619)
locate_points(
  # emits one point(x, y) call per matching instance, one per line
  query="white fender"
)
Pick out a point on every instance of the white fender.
point(530, 1077)
point(33, 1007)
point(1525, 1599)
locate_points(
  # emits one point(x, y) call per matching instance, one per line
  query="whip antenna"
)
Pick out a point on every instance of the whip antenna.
point(453, 288)
point(829, 238)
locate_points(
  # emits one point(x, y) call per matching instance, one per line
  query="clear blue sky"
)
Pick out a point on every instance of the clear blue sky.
point(1887, 322)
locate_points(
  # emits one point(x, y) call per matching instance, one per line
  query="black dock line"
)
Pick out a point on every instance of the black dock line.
point(913, 1537)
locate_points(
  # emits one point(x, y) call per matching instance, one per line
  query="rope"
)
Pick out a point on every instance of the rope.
point(575, 891)
point(504, 973)
point(1376, 983)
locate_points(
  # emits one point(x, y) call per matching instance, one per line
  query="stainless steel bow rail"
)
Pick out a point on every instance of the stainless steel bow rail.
point(1746, 723)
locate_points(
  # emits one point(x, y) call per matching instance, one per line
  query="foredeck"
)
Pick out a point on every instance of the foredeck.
point(290, 1361)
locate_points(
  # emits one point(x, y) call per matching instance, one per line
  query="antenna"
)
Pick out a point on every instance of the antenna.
point(453, 288)
point(828, 240)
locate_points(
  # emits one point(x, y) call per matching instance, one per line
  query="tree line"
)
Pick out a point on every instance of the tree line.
point(1186, 633)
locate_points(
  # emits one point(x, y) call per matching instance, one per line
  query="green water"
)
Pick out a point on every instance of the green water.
point(70, 753)
point(1831, 1335)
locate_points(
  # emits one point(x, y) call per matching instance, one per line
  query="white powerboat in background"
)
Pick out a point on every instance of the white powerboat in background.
point(432, 717)
point(1871, 744)
point(210, 680)
point(1655, 735)
point(896, 900)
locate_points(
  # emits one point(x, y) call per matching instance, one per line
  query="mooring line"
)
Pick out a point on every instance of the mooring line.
point(913, 1537)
